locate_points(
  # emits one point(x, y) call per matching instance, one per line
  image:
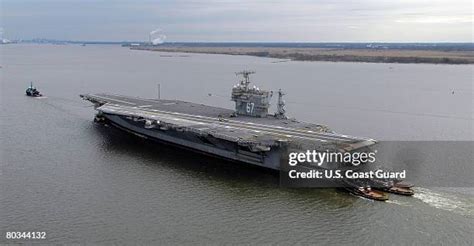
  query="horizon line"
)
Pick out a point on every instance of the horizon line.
point(275, 42)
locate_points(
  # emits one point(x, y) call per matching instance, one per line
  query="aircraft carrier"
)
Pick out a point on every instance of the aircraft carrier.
point(247, 134)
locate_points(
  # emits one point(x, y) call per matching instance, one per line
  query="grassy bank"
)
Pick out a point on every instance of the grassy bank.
point(330, 54)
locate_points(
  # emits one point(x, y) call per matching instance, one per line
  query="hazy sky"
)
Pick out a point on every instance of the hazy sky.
point(244, 20)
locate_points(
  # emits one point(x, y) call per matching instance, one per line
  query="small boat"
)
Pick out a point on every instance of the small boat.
point(32, 91)
point(403, 184)
point(364, 190)
point(396, 187)
point(400, 191)
point(367, 192)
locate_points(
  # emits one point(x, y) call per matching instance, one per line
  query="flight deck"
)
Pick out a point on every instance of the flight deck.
point(219, 121)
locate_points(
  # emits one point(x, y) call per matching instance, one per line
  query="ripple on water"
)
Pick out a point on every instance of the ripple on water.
point(446, 201)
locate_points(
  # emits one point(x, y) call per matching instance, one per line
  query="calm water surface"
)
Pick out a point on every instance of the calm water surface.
point(83, 183)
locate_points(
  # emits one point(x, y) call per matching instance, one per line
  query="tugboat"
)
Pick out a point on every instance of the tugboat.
point(402, 184)
point(32, 91)
point(392, 186)
point(359, 188)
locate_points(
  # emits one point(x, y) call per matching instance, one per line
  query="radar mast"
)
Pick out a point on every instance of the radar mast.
point(281, 105)
point(246, 81)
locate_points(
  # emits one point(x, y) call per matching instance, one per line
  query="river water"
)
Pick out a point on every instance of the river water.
point(83, 183)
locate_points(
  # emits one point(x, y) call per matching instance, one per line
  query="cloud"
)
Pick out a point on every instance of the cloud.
point(242, 20)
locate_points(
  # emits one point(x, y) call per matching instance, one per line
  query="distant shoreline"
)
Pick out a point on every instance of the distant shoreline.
point(369, 55)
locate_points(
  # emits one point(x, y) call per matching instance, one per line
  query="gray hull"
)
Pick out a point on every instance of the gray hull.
point(205, 145)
